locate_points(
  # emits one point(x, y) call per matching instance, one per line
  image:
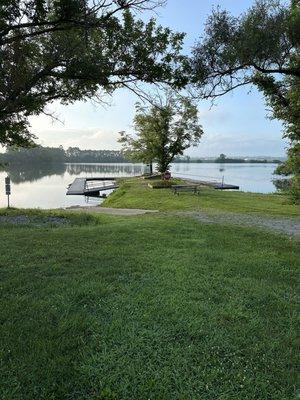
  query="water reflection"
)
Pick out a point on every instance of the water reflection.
point(106, 169)
point(34, 172)
point(31, 173)
point(45, 185)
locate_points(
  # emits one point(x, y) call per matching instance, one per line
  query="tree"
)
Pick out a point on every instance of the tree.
point(261, 47)
point(163, 130)
point(222, 157)
point(70, 50)
point(234, 50)
point(284, 99)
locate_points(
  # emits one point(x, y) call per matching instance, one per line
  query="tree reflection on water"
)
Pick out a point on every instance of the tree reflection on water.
point(34, 172)
point(117, 169)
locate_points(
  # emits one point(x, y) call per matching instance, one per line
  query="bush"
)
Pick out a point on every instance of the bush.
point(160, 184)
point(155, 176)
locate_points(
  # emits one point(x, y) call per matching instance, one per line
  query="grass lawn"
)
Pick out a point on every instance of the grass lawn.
point(135, 193)
point(149, 307)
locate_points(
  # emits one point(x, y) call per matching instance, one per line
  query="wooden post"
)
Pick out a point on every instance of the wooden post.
point(7, 189)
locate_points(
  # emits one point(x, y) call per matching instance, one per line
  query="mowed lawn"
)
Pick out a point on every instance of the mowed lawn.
point(147, 307)
point(135, 193)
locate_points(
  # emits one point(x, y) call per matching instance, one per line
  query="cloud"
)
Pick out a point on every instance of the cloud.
point(240, 145)
point(236, 126)
point(78, 130)
point(88, 138)
point(214, 115)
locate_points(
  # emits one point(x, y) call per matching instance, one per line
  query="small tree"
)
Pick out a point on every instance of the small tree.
point(137, 149)
point(222, 157)
point(163, 130)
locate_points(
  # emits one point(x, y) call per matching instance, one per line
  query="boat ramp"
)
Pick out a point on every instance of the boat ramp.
point(92, 186)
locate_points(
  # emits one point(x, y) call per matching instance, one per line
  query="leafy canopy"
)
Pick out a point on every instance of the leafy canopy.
point(261, 47)
point(70, 50)
point(235, 49)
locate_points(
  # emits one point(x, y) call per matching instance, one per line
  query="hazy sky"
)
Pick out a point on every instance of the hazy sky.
point(237, 125)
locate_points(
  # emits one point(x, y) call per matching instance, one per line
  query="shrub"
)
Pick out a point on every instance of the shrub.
point(160, 184)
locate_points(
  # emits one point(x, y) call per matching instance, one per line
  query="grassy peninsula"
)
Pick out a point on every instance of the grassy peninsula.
point(135, 193)
point(101, 307)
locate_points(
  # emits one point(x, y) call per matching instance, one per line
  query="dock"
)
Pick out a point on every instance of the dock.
point(215, 185)
point(91, 186)
point(220, 185)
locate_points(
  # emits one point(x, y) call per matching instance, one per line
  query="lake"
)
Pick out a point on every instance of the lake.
point(43, 186)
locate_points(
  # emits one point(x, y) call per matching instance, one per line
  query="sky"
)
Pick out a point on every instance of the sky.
point(236, 125)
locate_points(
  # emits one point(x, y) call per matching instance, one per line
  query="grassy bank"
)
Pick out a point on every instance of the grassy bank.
point(147, 307)
point(135, 193)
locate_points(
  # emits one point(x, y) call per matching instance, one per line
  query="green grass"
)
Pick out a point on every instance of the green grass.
point(148, 307)
point(135, 193)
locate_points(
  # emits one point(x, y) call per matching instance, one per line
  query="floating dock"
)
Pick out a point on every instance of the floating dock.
point(215, 185)
point(219, 185)
point(91, 186)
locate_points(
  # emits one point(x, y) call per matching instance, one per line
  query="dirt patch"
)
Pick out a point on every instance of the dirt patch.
point(33, 220)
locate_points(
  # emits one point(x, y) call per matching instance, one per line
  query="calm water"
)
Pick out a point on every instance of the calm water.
point(45, 186)
point(249, 177)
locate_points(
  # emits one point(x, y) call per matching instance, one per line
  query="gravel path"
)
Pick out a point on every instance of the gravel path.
point(289, 226)
point(110, 211)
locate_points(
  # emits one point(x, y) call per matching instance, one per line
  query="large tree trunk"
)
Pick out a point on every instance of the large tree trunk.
point(151, 167)
point(163, 165)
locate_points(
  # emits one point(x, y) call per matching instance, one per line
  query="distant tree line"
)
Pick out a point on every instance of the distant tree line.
point(54, 155)
point(34, 155)
point(224, 159)
point(51, 155)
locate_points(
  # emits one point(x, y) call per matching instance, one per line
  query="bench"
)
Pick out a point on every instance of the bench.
point(185, 188)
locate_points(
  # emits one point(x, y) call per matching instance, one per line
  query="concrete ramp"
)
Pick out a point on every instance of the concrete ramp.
point(77, 187)
point(90, 186)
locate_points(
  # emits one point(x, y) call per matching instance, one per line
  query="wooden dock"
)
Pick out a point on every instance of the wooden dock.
point(90, 186)
point(220, 185)
point(215, 185)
